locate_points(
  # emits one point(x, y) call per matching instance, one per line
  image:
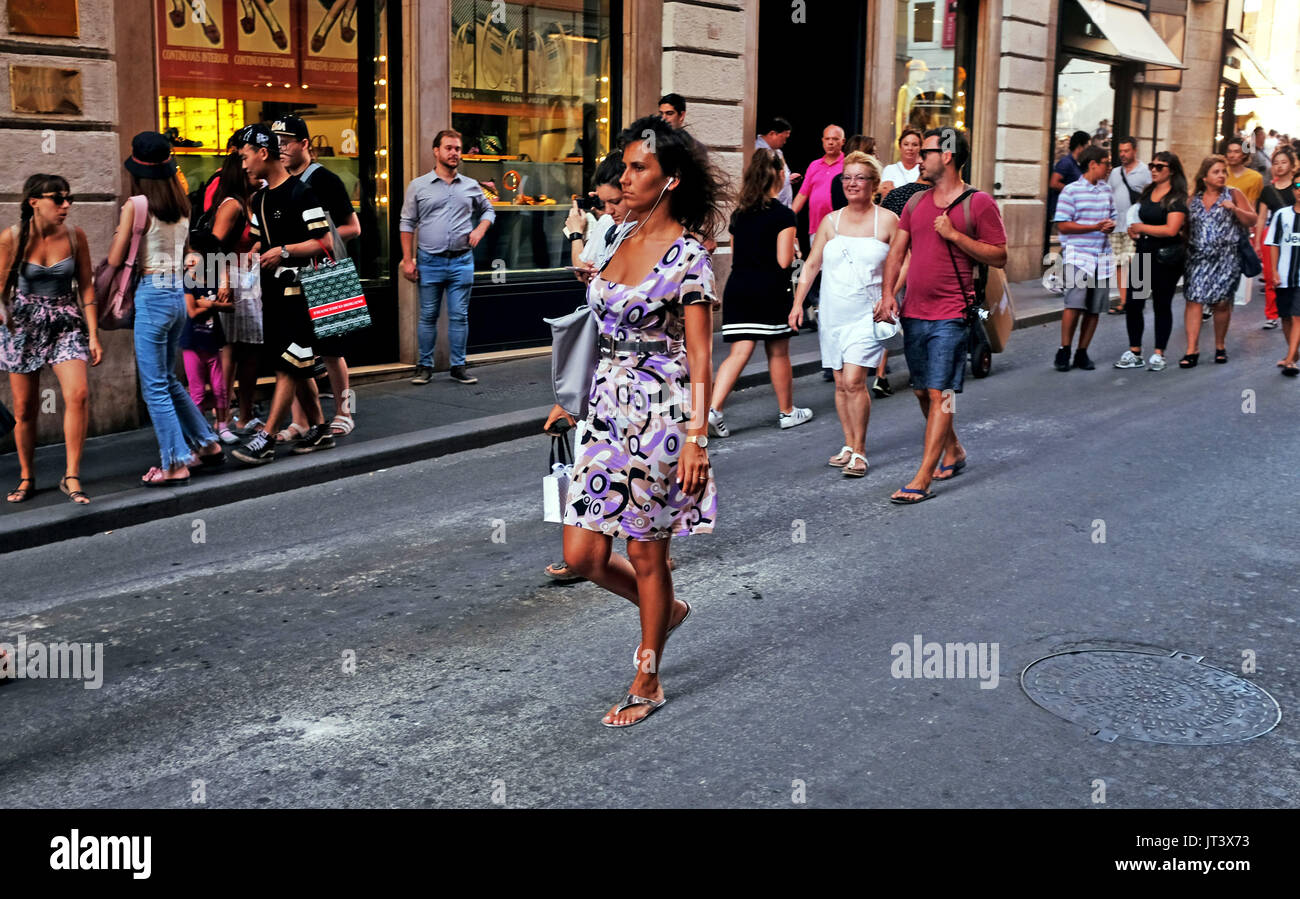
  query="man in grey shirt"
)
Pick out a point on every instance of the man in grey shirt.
point(1130, 176)
point(438, 240)
point(772, 136)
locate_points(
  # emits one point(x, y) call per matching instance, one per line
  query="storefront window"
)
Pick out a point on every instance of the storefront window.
point(226, 63)
point(932, 50)
point(531, 96)
point(1085, 101)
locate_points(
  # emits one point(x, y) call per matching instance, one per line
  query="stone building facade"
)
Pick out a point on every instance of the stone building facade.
point(816, 62)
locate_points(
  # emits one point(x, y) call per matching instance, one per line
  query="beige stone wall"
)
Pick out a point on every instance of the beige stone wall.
point(704, 61)
point(87, 150)
point(1189, 121)
point(1027, 45)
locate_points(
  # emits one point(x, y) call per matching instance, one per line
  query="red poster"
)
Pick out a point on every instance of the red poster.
point(950, 25)
point(329, 40)
point(259, 50)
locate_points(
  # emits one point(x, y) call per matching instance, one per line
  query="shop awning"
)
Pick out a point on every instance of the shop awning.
point(1114, 30)
point(1254, 83)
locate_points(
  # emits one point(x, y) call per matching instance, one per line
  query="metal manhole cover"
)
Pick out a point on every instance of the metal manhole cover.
point(1145, 696)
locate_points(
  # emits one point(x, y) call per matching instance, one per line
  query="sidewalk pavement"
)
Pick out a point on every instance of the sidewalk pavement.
point(397, 423)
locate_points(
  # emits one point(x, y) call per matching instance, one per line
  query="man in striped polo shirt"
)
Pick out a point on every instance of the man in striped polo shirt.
point(1085, 217)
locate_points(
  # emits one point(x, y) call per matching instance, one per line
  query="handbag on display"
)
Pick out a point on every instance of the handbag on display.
point(115, 284)
point(555, 486)
point(575, 353)
point(335, 300)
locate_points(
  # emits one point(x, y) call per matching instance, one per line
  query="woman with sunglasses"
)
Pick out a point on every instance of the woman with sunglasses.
point(1162, 213)
point(46, 323)
point(852, 244)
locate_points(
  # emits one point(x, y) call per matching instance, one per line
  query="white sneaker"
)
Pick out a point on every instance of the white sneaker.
point(795, 418)
point(1156, 362)
point(1130, 360)
point(718, 427)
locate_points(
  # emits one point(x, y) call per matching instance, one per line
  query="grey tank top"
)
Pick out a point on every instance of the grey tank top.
point(37, 280)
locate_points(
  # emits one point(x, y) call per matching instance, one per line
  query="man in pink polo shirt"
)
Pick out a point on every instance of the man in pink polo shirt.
point(816, 188)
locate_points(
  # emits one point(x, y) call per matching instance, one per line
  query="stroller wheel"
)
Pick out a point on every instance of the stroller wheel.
point(981, 361)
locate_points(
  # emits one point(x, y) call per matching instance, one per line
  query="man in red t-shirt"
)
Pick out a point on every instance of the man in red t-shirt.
point(940, 278)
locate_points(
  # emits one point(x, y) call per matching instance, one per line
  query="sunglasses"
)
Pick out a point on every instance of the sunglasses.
point(58, 198)
point(925, 153)
point(860, 179)
point(1157, 166)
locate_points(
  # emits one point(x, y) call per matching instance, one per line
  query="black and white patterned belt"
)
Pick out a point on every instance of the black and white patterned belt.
point(611, 347)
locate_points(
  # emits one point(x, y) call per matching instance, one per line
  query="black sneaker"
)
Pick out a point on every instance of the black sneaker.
point(317, 438)
point(256, 450)
point(1082, 361)
point(422, 375)
point(1063, 359)
point(458, 373)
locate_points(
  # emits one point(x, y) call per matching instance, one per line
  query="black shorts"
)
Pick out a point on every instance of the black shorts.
point(1288, 301)
point(287, 335)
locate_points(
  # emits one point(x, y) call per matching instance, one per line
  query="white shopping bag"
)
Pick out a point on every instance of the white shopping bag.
point(555, 486)
point(1244, 290)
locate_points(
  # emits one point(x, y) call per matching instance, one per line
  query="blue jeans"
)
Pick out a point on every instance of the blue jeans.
point(159, 319)
point(935, 352)
point(456, 276)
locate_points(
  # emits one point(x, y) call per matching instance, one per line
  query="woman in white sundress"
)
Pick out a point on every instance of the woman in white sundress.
point(849, 250)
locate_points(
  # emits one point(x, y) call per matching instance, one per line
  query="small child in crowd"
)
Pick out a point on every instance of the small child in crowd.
point(201, 343)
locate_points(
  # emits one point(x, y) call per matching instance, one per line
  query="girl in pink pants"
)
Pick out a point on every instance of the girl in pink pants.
point(201, 343)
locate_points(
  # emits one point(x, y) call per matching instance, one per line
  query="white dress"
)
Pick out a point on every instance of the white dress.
point(851, 277)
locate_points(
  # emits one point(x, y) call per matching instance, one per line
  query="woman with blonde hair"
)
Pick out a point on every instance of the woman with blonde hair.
point(1219, 215)
point(756, 301)
point(849, 250)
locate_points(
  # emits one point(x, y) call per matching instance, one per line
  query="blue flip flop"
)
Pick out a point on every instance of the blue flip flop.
point(921, 496)
point(955, 468)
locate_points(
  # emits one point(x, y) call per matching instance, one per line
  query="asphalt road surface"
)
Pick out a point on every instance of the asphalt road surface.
point(477, 681)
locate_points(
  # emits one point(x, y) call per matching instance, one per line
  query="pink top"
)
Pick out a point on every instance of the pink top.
point(816, 187)
point(933, 291)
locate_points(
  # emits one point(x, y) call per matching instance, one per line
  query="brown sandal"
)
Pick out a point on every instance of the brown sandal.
point(77, 496)
point(22, 494)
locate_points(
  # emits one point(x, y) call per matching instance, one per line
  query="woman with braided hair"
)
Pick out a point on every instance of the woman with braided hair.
point(45, 322)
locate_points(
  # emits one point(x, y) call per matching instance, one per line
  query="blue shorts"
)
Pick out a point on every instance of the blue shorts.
point(935, 352)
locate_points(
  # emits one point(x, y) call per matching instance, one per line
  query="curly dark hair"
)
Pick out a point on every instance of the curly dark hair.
point(696, 201)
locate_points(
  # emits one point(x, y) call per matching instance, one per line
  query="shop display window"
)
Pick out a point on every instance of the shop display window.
point(226, 63)
point(532, 97)
point(932, 50)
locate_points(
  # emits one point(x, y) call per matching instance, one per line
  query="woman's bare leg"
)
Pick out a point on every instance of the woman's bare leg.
point(76, 410)
point(26, 390)
point(778, 369)
point(729, 371)
point(655, 588)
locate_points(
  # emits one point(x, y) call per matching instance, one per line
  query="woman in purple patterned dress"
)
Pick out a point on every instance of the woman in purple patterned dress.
point(642, 467)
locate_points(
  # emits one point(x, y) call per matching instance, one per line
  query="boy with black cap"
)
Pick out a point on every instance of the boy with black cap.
point(289, 225)
point(295, 149)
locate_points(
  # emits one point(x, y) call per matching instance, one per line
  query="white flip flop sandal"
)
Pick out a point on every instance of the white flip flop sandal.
point(834, 463)
point(853, 472)
point(630, 700)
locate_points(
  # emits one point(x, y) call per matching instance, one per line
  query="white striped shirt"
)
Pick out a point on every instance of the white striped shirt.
point(1282, 233)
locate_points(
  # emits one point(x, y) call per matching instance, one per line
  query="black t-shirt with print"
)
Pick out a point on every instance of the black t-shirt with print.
point(288, 214)
point(333, 195)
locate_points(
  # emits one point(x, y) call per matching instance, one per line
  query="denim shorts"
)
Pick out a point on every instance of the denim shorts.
point(935, 353)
